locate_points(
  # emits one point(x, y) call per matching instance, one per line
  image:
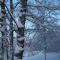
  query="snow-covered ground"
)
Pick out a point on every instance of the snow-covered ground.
point(50, 56)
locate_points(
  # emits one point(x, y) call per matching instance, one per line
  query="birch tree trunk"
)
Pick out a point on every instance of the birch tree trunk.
point(22, 19)
point(3, 29)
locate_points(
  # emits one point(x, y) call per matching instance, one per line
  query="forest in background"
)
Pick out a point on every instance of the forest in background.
point(28, 27)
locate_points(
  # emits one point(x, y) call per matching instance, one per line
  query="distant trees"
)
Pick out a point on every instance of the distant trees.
point(45, 22)
point(35, 24)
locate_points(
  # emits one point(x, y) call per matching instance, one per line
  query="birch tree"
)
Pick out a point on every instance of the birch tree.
point(20, 36)
point(3, 28)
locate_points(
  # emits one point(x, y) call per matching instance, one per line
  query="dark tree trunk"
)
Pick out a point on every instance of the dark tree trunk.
point(11, 32)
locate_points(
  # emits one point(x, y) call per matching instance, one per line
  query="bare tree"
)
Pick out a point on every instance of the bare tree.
point(22, 19)
point(11, 32)
point(3, 28)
